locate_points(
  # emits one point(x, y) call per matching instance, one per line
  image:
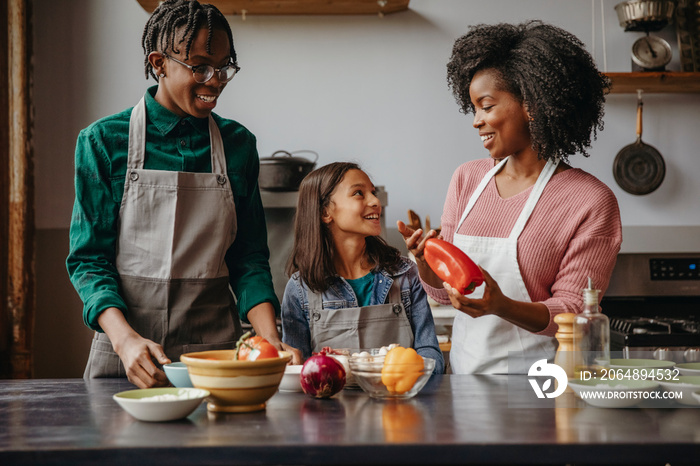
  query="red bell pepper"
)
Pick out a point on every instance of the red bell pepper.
point(452, 265)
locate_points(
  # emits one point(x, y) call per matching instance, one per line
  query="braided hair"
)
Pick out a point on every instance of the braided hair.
point(544, 67)
point(181, 19)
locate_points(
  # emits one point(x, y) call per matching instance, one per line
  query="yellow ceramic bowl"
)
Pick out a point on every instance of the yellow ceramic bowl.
point(235, 386)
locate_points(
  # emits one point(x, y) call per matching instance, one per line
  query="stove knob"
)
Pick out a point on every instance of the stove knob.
point(662, 354)
point(692, 355)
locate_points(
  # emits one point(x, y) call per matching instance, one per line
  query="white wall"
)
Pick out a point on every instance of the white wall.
point(358, 88)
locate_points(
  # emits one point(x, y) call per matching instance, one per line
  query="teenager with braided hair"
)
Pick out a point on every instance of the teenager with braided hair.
point(168, 219)
point(537, 227)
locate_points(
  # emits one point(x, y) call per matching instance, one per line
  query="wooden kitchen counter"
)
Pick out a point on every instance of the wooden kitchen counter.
point(455, 419)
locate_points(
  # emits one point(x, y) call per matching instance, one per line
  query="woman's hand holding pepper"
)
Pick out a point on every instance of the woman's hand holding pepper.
point(493, 300)
point(533, 317)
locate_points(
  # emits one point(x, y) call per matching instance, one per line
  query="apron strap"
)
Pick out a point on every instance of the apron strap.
point(395, 293)
point(535, 194)
point(137, 136)
point(479, 189)
point(218, 156)
point(315, 301)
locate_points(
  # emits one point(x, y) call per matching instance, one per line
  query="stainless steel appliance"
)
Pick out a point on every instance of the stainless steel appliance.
point(653, 302)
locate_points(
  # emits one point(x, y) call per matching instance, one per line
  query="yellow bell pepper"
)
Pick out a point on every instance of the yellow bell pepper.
point(402, 367)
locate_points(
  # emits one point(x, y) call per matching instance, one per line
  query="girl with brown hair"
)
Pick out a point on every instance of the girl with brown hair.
point(348, 287)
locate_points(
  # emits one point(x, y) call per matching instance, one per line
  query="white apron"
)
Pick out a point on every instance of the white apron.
point(481, 345)
point(174, 231)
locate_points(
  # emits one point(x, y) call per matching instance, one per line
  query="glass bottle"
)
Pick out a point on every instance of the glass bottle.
point(591, 336)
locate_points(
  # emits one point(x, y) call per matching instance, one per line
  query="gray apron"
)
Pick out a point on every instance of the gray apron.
point(174, 231)
point(360, 327)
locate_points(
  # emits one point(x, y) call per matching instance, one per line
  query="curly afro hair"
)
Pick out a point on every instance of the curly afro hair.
point(548, 70)
point(181, 20)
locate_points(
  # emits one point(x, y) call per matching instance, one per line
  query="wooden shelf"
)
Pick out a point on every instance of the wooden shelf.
point(655, 82)
point(299, 7)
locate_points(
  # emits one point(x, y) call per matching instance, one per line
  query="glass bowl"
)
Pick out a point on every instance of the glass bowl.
point(367, 372)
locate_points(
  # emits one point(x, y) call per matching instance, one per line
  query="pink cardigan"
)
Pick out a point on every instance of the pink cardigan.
point(573, 233)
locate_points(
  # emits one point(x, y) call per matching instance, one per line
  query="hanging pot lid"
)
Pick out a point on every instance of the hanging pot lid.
point(282, 157)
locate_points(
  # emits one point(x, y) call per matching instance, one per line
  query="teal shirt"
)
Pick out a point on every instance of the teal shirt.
point(363, 288)
point(172, 143)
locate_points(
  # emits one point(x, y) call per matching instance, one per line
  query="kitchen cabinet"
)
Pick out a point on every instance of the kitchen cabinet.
point(299, 7)
point(655, 82)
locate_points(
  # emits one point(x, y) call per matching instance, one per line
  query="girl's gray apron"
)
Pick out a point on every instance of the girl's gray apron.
point(360, 327)
point(481, 345)
point(175, 229)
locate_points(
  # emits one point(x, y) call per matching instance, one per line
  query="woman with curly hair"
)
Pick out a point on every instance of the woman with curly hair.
point(536, 226)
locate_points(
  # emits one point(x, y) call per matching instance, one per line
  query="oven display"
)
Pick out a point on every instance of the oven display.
point(675, 269)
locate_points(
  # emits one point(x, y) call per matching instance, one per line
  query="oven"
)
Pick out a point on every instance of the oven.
point(653, 300)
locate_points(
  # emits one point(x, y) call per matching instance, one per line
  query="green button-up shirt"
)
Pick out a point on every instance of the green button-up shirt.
point(172, 143)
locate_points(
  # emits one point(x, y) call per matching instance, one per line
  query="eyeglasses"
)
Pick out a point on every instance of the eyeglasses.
point(203, 73)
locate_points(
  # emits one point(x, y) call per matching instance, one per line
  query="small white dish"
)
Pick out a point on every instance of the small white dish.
point(689, 368)
point(686, 386)
point(612, 393)
point(696, 395)
point(640, 364)
point(291, 380)
point(160, 404)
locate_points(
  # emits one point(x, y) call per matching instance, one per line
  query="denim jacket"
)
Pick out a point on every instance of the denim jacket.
point(295, 309)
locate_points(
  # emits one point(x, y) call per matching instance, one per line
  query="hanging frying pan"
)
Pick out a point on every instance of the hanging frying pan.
point(638, 167)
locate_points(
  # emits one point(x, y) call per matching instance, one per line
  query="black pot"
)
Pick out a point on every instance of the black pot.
point(284, 173)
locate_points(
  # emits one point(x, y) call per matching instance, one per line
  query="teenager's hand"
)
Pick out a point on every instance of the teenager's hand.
point(296, 354)
point(137, 354)
point(262, 317)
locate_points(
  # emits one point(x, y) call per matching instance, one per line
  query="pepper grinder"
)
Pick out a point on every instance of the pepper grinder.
point(566, 354)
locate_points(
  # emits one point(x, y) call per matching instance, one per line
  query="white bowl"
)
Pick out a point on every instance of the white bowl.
point(689, 368)
point(640, 364)
point(291, 380)
point(687, 385)
point(696, 395)
point(612, 393)
point(160, 404)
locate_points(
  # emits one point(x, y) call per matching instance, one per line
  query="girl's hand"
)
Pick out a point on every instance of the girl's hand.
point(492, 302)
point(415, 242)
